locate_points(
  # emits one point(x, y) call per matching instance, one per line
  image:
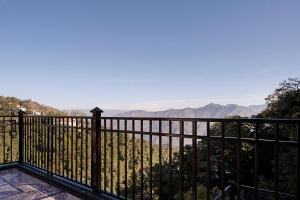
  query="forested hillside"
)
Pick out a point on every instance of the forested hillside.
point(11, 105)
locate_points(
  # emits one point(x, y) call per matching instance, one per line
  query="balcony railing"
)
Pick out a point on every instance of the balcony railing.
point(159, 158)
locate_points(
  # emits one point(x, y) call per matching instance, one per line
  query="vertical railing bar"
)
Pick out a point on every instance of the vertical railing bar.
point(181, 143)
point(223, 160)
point(208, 160)
point(68, 150)
point(33, 140)
point(142, 160)
point(42, 143)
point(86, 149)
point(3, 138)
point(50, 147)
point(239, 161)
point(37, 134)
point(105, 141)
point(133, 160)
point(99, 150)
point(72, 148)
point(52, 138)
point(63, 148)
point(119, 152)
point(36, 130)
point(298, 162)
point(151, 176)
point(27, 137)
point(25, 140)
point(48, 143)
point(55, 143)
point(39, 141)
point(59, 146)
point(52, 122)
point(126, 132)
point(30, 140)
point(276, 149)
point(111, 155)
point(76, 149)
point(11, 144)
point(256, 162)
point(99, 153)
point(194, 160)
point(21, 136)
point(81, 149)
point(170, 162)
point(160, 158)
point(36, 140)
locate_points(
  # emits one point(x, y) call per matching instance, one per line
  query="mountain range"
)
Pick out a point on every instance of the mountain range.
point(208, 111)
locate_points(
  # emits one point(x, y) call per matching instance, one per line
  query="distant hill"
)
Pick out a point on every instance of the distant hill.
point(208, 111)
point(11, 105)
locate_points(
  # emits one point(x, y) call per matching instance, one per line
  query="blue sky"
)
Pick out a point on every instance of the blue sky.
point(147, 54)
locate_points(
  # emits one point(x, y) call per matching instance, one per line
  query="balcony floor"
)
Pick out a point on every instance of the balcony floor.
point(15, 184)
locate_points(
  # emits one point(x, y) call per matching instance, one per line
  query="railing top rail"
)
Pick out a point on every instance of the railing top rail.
point(59, 116)
point(243, 120)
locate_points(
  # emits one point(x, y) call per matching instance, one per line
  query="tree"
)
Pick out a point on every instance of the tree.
point(284, 102)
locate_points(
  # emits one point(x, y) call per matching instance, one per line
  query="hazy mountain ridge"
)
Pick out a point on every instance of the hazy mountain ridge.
point(208, 111)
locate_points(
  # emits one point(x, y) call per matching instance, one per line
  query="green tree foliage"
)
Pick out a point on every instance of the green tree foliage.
point(284, 102)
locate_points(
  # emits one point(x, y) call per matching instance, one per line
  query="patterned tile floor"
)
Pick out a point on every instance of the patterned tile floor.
point(15, 185)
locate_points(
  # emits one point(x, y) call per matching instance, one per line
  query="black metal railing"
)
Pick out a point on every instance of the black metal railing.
point(9, 139)
point(59, 145)
point(178, 145)
point(163, 158)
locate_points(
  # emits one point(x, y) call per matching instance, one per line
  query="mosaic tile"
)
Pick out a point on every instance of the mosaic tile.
point(46, 188)
point(62, 196)
point(2, 182)
point(7, 190)
point(26, 188)
point(17, 185)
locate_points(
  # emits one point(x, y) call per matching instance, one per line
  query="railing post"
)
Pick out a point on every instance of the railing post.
point(96, 151)
point(21, 136)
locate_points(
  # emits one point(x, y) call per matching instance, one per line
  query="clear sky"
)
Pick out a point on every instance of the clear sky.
point(147, 54)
